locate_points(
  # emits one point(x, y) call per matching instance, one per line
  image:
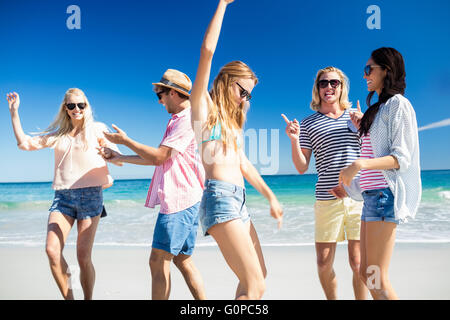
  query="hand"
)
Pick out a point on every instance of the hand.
point(292, 128)
point(13, 101)
point(227, 1)
point(347, 174)
point(276, 211)
point(356, 116)
point(101, 142)
point(118, 137)
point(109, 155)
point(338, 191)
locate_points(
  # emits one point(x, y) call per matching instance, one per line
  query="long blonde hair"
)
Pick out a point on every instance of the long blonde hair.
point(225, 109)
point(62, 125)
point(345, 88)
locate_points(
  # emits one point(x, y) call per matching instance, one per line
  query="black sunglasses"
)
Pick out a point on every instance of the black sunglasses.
point(72, 106)
point(368, 69)
point(244, 93)
point(159, 94)
point(324, 83)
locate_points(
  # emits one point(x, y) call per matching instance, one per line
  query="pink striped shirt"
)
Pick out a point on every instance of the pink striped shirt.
point(178, 183)
point(370, 179)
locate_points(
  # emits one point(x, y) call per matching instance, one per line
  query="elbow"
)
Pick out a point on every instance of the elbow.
point(159, 160)
point(206, 51)
point(23, 147)
point(302, 169)
point(402, 159)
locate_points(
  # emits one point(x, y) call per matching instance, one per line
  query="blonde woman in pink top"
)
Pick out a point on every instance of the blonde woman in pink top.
point(79, 177)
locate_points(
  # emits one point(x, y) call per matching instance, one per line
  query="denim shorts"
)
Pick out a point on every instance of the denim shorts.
point(221, 202)
point(81, 203)
point(378, 206)
point(176, 232)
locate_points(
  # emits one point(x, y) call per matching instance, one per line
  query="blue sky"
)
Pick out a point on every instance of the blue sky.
point(123, 46)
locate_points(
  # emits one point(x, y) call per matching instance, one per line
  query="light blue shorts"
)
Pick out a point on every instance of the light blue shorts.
point(81, 203)
point(221, 202)
point(176, 232)
point(378, 206)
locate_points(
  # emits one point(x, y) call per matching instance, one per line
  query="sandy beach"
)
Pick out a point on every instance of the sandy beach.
point(418, 271)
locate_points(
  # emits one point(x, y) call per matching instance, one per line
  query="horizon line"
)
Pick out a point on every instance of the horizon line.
point(263, 175)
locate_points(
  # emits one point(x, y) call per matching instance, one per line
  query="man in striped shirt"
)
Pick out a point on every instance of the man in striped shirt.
point(177, 186)
point(331, 136)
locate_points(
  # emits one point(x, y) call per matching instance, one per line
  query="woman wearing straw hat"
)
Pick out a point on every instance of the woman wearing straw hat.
point(218, 118)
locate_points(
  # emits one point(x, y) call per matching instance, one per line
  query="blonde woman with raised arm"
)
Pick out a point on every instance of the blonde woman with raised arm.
point(218, 118)
point(80, 176)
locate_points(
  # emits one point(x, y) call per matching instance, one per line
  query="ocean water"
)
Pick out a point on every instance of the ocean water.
point(24, 213)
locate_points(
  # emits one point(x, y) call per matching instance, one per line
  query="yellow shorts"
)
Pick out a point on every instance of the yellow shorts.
point(337, 218)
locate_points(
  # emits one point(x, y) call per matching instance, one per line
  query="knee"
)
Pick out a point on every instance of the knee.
point(355, 263)
point(184, 265)
point(53, 253)
point(156, 263)
point(84, 259)
point(324, 264)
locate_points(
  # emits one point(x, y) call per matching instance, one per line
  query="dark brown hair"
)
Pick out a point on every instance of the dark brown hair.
point(392, 61)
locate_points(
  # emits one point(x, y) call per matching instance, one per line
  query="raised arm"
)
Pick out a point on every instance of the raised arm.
point(199, 95)
point(13, 103)
point(300, 156)
point(24, 141)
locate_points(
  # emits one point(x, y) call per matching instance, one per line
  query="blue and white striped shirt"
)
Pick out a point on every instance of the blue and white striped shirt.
point(335, 144)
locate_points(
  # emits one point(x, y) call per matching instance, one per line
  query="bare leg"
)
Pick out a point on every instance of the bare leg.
point(254, 236)
point(325, 258)
point(363, 264)
point(58, 229)
point(239, 252)
point(191, 275)
point(160, 270)
point(354, 255)
point(86, 234)
point(380, 241)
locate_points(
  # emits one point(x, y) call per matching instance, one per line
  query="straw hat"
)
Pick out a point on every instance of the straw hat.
point(175, 80)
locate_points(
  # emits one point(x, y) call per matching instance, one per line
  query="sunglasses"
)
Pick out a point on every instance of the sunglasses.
point(324, 83)
point(244, 93)
point(368, 69)
point(160, 93)
point(72, 106)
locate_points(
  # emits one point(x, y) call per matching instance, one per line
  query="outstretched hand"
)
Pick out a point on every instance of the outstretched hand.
point(118, 137)
point(228, 1)
point(110, 155)
point(292, 128)
point(13, 101)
